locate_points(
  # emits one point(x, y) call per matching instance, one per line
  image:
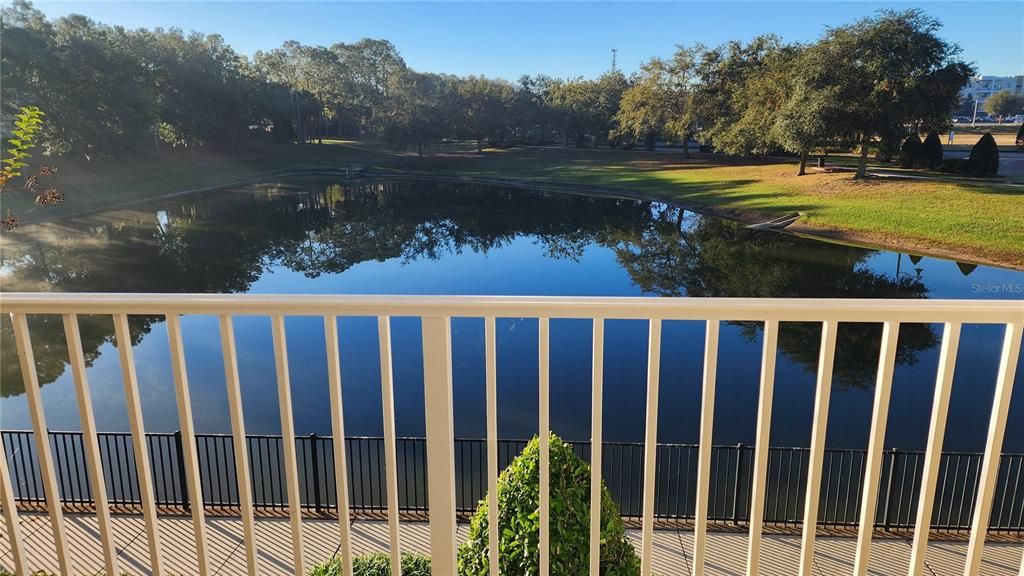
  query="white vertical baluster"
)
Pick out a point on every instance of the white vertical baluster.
point(650, 443)
point(933, 454)
point(387, 395)
point(491, 369)
point(241, 448)
point(11, 516)
point(989, 475)
point(817, 452)
point(707, 419)
point(876, 442)
point(763, 438)
point(544, 439)
point(437, 392)
point(597, 410)
point(139, 444)
point(90, 443)
point(188, 440)
point(338, 430)
point(291, 466)
point(47, 470)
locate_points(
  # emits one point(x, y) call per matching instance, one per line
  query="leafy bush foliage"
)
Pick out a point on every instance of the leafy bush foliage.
point(375, 565)
point(956, 166)
point(1020, 137)
point(985, 156)
point(519, 520)
point(27, 123)
point(931, 151)
point(910, 152)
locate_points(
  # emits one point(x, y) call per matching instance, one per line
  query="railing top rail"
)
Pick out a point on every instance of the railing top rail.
point(759, 309)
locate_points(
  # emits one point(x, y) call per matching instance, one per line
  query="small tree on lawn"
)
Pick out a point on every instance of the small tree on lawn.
point(931, 151)
point(984, 159)
point(801, 124)
point(911, 152)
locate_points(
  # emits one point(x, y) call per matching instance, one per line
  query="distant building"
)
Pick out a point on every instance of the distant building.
point(981, 87)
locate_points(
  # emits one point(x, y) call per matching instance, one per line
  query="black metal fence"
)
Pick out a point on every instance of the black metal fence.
point(675, 483)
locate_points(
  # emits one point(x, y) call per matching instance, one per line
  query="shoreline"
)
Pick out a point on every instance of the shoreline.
point(847, 237)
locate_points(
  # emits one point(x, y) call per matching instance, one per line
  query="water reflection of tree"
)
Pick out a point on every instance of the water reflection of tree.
point(218, 244)
point(414, 221)
point(713, 257)
point(223, 243)
point(49, 346)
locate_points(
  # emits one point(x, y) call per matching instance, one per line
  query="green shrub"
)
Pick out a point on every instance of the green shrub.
point(985, 156)
point(378, 564)
point(956, 166)
point(931, 151)
point(910, 152)
point(519, 521)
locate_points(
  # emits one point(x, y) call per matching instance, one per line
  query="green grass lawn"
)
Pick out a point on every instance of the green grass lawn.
point(972, 221)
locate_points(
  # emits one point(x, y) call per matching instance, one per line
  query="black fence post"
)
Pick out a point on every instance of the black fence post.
point(889, 488)
point(736, 484)
point(179, 449)
point(316, 472)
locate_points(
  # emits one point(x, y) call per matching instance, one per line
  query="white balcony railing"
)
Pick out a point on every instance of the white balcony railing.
point(436, 314)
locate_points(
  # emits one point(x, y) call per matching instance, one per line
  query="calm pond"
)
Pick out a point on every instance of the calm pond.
point(330, 236)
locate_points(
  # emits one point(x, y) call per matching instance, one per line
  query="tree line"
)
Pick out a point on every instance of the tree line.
point(108, 90)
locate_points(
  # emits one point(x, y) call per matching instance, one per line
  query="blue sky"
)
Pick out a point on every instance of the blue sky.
point(508, 39)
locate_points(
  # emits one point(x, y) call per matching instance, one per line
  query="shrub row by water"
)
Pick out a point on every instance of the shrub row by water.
point(928, 154)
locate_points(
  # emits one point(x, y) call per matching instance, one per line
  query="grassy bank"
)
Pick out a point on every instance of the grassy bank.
point(971, 221)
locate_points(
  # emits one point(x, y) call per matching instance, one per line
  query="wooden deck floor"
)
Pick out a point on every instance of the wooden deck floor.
point(726, 551)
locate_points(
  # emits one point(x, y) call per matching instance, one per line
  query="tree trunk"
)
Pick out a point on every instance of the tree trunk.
point(686, 147)
point(649, 142)
point(479, 146)
point(862, 162)
point(419, 149)
point(803, 163)
point(300, 129)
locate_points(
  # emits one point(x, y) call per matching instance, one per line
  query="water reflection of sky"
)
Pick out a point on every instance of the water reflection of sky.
point(501, 245)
